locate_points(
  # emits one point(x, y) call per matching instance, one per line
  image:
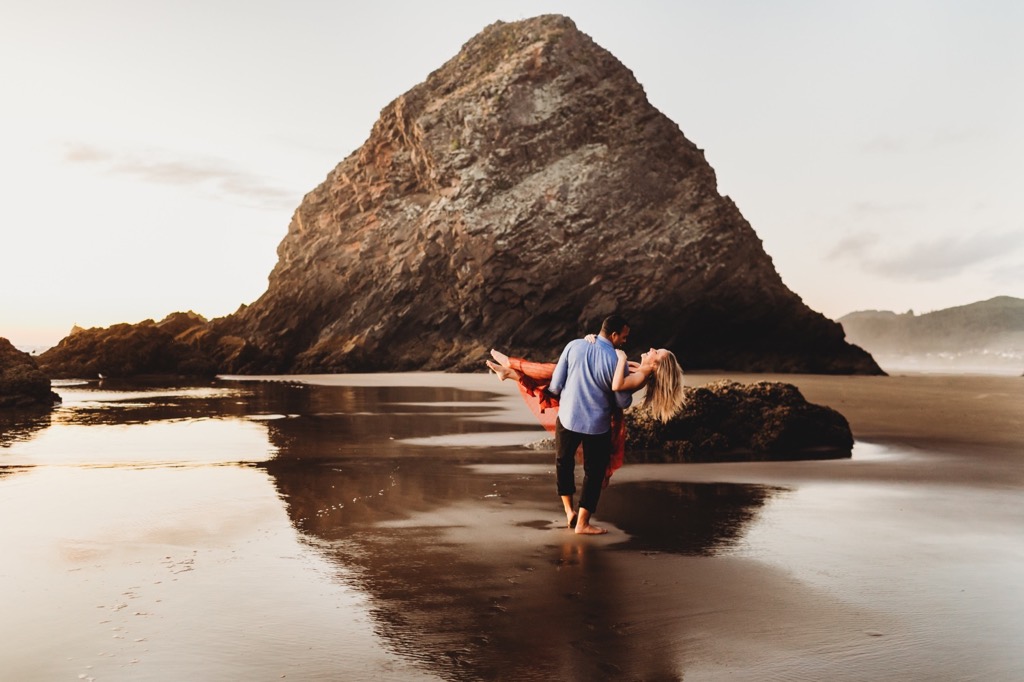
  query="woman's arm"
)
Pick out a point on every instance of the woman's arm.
point(633, 382)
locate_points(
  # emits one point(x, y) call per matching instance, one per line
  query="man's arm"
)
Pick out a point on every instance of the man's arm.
point(558, 377)
point(623, 399)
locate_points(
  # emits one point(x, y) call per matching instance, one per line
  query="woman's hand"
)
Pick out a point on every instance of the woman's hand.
point(621, 354)
point(591, 338)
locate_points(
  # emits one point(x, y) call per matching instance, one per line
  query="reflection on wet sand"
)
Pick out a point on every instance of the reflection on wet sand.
point(684, 518)
point(21, 426)
point(467, 575)
point(427, 539)
point(119, 402)
point(377, 422)
point(328, 529)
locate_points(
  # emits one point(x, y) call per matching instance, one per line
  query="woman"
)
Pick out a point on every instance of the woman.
point(658, 371)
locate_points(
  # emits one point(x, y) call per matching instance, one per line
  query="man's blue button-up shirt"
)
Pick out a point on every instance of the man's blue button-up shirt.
point(583, 383)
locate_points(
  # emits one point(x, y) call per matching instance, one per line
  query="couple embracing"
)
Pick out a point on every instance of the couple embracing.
point(586, 391)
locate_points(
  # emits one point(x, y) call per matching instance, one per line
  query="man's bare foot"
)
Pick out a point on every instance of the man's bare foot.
point(570, 519)
point(499, 357)
point(583, 526)
point(502, 372)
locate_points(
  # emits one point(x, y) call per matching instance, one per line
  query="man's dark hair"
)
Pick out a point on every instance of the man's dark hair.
point(613, 324)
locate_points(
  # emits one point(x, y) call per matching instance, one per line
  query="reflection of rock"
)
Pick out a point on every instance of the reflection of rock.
point(373, 421)
point(155, 399)
point(727, 421)
point(683, 518)
point(21, 425)
point(461, 569)
point(22, 384)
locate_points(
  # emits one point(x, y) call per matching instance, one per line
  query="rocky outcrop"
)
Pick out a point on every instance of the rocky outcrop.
point(180, 344)
point(727, 421)
point(521, 193)
point(22, 384)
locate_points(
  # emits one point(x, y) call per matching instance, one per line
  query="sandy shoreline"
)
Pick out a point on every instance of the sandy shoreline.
point(404, 533)
point(935, 416)
point(945, 451)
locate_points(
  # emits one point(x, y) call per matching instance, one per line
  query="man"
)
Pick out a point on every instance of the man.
point(582, 380)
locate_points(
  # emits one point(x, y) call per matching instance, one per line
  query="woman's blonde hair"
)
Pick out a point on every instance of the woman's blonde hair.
point(664, 395)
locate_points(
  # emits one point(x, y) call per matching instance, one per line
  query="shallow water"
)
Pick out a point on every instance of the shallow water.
point(394, 527)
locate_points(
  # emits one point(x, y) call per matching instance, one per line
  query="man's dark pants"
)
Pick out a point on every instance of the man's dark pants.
point(597, 452)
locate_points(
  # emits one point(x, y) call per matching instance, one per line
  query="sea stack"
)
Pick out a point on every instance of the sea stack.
point(520, 194)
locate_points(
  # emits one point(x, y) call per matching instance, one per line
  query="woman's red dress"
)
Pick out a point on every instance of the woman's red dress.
point(534, 378)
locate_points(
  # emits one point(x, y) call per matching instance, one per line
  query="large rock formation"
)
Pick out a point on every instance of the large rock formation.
point(22, 384)
point(521, 193)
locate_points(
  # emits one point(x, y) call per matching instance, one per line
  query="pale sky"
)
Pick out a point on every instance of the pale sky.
point(153, 150)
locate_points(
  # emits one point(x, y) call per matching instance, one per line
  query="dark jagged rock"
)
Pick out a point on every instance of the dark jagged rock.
point(130, 350)
point(181, 344)
point(520, 194)
point(22, 384)
point(728, 421)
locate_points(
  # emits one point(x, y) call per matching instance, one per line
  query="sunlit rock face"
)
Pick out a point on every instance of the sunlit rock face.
point(520, 194)
point(179, 344)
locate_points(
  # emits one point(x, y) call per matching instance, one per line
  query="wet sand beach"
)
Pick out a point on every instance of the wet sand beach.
point(396, 527)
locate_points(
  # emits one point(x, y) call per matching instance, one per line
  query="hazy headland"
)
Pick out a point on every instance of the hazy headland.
point(986, 337)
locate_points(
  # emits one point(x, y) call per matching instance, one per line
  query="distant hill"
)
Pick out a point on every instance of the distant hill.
point(985, 333)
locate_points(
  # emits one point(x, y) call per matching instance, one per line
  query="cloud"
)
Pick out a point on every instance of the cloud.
point(1009, 274)
point(224, 181)
point(930, 260)
point(871, 209)
point(915, 143)
point(885, 144)
point(854, 246)
point(80, 153)
point(954, 138)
